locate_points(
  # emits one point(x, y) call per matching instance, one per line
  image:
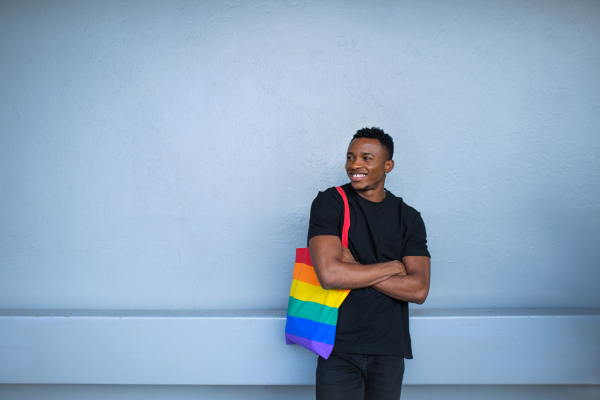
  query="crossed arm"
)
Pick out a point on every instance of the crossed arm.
point(406, 280)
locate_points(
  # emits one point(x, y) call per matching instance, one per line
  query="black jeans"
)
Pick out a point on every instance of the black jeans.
point(359, 377)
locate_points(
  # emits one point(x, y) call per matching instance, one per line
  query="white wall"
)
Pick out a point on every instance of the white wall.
point(164, 154)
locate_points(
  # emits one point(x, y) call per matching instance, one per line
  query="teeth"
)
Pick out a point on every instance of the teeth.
point(358, 175)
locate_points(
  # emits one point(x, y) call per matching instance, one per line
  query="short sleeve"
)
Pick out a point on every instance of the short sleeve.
point(325, 215)
point(416, 244)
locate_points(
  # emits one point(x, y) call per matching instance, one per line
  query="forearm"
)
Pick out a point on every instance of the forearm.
point(411, 288)
point(342, 275)
point(336, 268)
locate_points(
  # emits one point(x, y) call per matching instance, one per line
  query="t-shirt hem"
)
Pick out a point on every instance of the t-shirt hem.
point(372, 351)
point(323, 233)
point(415, 253)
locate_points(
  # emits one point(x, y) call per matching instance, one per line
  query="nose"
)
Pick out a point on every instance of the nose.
point(355, 164)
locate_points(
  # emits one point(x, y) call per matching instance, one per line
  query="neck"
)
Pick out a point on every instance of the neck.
point(375, 195)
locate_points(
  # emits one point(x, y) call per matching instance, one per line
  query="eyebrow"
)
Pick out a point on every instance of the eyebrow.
point(362, 154)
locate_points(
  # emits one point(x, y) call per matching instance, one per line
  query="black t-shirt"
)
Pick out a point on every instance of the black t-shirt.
point(370, 322)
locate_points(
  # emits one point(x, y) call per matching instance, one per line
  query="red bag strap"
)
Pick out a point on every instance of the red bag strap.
point(346, 225)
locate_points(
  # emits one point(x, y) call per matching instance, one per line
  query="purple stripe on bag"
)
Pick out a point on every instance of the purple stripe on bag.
point(322, 349)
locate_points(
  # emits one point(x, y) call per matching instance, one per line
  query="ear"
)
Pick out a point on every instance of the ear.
point(389, 166)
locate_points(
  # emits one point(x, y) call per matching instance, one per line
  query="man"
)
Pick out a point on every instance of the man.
point(387, 265)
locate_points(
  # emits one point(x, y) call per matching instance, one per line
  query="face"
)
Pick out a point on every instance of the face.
point(366, 164)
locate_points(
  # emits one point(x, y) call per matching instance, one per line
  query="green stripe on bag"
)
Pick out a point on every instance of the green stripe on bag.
point(313, 311)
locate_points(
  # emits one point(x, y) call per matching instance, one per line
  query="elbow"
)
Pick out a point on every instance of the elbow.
point(421, 296)
point(325, 283)
point(420, 300)
point(329, 280)
point(330, 275)
point(328, 284)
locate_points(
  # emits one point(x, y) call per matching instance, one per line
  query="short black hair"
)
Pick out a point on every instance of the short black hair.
point(376, 133)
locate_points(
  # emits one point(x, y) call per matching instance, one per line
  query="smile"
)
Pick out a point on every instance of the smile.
point(357, 177)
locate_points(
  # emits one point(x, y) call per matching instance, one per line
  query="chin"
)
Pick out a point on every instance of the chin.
point(359, 186)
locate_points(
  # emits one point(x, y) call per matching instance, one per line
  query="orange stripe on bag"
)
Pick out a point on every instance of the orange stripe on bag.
point(306, 273)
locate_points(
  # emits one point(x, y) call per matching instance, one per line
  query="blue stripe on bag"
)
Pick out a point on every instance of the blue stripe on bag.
point(310, 329)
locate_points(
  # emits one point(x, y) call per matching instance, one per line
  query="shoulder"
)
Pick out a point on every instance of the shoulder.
point(326, 214)
point(413, 221)
point(409, 214)
point(408, 211)
point(328, 198)
point(415, 234)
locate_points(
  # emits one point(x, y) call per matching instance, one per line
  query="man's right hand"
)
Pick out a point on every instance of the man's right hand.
point(347, 257)
point(401, 268)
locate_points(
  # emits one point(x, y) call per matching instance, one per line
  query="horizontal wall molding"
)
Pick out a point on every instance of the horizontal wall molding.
point(465, 347)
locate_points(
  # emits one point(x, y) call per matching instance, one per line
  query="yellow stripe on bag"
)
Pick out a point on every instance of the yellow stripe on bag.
point(307, 292)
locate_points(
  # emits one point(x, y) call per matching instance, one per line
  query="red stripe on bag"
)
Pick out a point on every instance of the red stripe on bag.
point(346, 226)
point(303, 256)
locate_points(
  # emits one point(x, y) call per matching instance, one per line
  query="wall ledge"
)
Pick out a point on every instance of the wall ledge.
point(246, 347)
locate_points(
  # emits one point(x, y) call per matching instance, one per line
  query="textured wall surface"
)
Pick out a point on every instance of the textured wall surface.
point(164, 154)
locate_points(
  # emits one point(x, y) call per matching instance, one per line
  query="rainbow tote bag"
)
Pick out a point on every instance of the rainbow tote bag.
point(313, 311)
